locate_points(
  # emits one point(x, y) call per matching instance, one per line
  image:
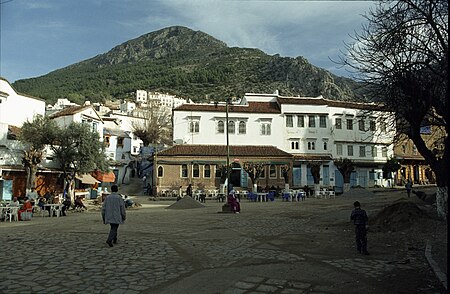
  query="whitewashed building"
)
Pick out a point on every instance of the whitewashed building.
point(311, 129)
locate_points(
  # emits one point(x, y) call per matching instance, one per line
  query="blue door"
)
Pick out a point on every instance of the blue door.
point(309, 177)
point(297, 176)
point(339, 182)
point(326, 175)
point(244, 179)
point(353, 177)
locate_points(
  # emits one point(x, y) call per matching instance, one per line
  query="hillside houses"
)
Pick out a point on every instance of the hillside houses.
point(278, 131)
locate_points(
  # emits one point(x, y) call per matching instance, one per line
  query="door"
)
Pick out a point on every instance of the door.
point(339, 182)
point(297, 176)
point(353, 178)
point(309, 177)
point(362, 178)
point(326, 175)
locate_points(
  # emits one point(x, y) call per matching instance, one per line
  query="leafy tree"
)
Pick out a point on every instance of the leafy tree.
point(78, 150)
point(392, 165)
point(254, 171)
point(315, 171)
point(402, 57)
point(154, 126)
point(285, 171)
point(34, 135)
point(345, 166)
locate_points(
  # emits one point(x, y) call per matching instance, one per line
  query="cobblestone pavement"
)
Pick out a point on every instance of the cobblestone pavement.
point(275, 247)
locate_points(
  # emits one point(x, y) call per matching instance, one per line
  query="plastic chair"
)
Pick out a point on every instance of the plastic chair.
point(271, 196)
point(252, 196)
point(12, 214)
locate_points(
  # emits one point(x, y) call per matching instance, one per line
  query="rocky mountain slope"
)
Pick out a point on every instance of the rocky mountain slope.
point(187, 63)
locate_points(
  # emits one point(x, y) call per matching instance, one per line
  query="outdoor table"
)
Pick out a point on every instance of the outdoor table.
point(262, 196)
point(54, 207)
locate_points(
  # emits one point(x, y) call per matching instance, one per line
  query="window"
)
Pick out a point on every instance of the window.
point(361, 125)
point(272, 171)
point(414, 148)
point(323, 121)
point(218, 173)
point(372, 125)
point(289, 121)
point(207, 171)
point(160, 172)
point(263, 173)
point(311, 145)
point(94, 126)
point(384, 151)
point(374, 151)
point(325, 145)
point(383, 126)
point(362, 151)
point(311, 121)
point(301, 121)
point(119, 142)
point(349, 124)
point(404, 149)
point(339, 149)
point(294, 145)
point(194, 126)
point(350, 150)
point(338, 123)
point(242, 127)
point(195, 170)
point(106, 140)
point(231, 127)
point(184, 171)
point(220, 127)
point(265, 128)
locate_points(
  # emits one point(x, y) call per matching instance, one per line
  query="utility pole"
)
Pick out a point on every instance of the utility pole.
point(228, 150)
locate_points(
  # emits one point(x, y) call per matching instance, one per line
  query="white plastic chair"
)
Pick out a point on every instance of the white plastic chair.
point(12, 214)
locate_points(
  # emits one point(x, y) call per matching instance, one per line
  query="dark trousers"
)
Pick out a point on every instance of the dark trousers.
point(361, 238)
point(113, 233)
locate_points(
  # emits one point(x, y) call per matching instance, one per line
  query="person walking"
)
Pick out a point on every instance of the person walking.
point(189, 190)
point(408, 187)
point(360, 220)
point(113, 213)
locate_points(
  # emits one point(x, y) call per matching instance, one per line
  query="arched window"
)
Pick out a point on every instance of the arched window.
point(160, 172)
point(231, 127)
point(196, 170)
point(184, 171)
point(220, 127)
point(272, 171)
point(207, 171)
point(242, 127)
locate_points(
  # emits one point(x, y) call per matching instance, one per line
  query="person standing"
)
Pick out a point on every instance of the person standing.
point(408, 187)
point(360, 220)
point(189, 190)
point(113, 213)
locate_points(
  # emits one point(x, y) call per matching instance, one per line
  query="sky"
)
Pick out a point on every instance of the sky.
point(40, 36)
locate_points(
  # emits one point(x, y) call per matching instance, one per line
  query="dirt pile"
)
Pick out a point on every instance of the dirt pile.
point(186, 203)
point(396, 217)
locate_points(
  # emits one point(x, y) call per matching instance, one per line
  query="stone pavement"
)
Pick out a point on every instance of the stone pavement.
point(275, 247)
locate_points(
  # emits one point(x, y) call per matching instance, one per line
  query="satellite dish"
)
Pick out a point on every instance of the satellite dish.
point(178, 141)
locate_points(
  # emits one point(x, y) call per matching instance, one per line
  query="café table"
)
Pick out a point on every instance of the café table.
point(54, 208)
point(262, 197)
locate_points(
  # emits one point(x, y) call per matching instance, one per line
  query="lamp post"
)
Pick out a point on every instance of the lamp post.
point(228, 149)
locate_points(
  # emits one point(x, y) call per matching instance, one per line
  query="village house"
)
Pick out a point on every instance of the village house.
point(311, 129)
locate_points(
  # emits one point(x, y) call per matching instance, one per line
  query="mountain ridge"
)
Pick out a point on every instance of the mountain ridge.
point(187, 63)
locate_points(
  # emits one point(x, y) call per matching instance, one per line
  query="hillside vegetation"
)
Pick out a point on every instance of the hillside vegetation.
point(189, 64)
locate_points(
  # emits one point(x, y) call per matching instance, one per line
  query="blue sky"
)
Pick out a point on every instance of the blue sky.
point(40, 36)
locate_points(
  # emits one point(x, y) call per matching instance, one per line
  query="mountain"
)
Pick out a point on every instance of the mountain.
point(189, 64)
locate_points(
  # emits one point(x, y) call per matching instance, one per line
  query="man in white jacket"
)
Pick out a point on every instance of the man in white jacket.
point(113, 213)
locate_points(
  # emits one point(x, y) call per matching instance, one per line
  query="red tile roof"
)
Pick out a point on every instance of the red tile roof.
point(221, 150)
point(252, 107)
point(70, 110)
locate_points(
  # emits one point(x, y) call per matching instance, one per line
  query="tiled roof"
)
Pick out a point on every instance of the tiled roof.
point(312, 157)
point(252, 107)
point(70, 110)
point(332, 103)
point(221, 150)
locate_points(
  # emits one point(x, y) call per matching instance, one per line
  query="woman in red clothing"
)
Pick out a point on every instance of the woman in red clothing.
point(25, 207)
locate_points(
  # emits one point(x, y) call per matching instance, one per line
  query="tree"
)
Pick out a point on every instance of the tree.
point(285, 171)
point(401, 57)
point(78, 150)
point(315, 172)
point(34, 135)
point(391, 166)
point(154, 125)
point(345, 166)
point(254, 171)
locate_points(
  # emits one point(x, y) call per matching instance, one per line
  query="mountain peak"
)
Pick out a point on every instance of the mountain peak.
point(160, 44)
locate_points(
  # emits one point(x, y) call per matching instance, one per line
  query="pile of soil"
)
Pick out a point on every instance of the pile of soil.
point(186, 203)
point(397, 217)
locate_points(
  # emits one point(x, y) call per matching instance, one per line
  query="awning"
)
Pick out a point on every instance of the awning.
point(87, 179)
point(105, 177)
